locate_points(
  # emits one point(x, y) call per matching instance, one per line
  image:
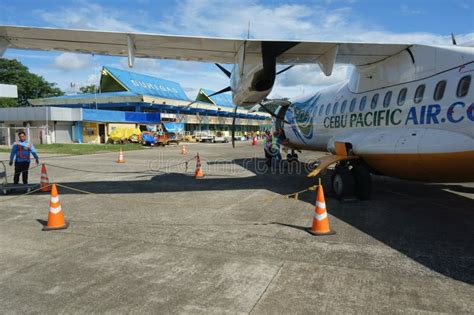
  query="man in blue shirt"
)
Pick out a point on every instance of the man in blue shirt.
point(21, 150)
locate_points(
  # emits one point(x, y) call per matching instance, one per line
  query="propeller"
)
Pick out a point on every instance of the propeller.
point(265, 108)
point(228, 89)
point(286, 69)
point(453, 39)
point(227, 72)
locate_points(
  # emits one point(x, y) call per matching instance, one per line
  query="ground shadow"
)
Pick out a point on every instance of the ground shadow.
point(426, 222)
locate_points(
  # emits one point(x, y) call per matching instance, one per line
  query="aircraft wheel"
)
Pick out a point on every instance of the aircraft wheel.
point(292, 158)
point(363, 181)
point(343, 183)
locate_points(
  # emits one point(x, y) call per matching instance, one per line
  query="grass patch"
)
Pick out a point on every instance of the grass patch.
point(80, 149)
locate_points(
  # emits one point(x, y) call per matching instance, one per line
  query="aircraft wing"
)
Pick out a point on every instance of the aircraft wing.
point(192, 48)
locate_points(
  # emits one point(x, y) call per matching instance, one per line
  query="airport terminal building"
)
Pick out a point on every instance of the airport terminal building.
point(128, 99)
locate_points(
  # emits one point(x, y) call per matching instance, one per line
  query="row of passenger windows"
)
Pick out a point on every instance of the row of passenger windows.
point(461, 91)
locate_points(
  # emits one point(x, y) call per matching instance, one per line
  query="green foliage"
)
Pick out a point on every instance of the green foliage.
point(88, 89)
point(30, 85)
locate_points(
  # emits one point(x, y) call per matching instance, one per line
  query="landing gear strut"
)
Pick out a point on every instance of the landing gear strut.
point(351, 180)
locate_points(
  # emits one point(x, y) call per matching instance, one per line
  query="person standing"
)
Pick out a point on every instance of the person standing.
point(21, 153)
point(267, 147)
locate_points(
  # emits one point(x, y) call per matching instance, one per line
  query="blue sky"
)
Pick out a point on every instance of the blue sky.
point(422, 21)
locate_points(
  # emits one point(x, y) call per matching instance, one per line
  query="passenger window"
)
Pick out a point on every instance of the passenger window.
point(328, 109)
point(402, 96)
point(334, 110)
point(321, 109)
point(362, 103)
point(375, 99)
point(387, 99)
point(353, 104)
point(439, 90)
point(420, 91)
point(463, 86)
point(343, 107)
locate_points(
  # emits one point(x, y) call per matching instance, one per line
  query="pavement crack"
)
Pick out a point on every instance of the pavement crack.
point(266, 288)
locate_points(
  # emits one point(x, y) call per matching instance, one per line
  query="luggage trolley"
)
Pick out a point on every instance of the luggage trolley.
point(6, 188)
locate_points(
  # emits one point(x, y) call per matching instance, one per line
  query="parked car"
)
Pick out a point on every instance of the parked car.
point(148, 138)
point(174, 137)
point(222, 136)
point(204, 136)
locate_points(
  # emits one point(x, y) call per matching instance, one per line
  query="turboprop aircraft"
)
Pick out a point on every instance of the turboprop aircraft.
point(406, 112)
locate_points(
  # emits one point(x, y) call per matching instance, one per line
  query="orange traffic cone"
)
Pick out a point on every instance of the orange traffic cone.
point(44, 183)
point(120, 158)
point(198, 173)
point(55, 217)
point(183, 150)
point(320, 216)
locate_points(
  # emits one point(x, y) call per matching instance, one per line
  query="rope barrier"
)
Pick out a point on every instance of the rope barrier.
point(22, 195)
point(294, 195)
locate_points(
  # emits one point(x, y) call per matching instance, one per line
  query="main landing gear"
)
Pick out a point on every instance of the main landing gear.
point(351, 179)
point(292, 157)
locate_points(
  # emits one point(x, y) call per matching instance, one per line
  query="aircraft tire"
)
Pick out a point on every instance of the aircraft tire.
point(363, 181)
point(343, 183)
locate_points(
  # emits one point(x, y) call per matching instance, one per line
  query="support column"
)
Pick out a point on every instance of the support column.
point(79, 131)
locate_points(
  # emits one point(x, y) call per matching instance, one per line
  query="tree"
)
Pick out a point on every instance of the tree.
point(88, 89)
point(30, 85)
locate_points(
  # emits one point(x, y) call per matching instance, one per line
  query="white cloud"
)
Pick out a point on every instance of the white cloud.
point(87, 15)
point(70, 61)
point(143, 65)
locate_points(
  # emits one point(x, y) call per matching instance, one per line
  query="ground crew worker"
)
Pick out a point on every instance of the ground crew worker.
point(21, 150)
point(276, 141)
point(267, 147)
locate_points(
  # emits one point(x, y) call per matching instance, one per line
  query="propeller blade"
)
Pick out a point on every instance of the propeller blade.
point(265, 108)
point(193, 102)
point(227, 72)
point(233, 127)
point(226, 89)
point(254, 108)
point(286, 69)
point(453, 39)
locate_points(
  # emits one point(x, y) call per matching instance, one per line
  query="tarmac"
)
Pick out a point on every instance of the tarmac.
point(148, 237)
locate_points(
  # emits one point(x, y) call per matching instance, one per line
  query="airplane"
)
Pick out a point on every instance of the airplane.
point(407, 110)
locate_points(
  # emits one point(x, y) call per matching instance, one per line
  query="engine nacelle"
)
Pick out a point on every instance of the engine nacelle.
point(251, 85)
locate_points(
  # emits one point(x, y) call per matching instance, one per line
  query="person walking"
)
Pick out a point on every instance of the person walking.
point(21, 153)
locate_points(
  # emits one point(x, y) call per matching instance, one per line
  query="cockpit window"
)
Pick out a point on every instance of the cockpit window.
point(321, 109)
point(334, 110)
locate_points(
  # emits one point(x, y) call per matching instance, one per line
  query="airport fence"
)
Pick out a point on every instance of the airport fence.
point(8, 135)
